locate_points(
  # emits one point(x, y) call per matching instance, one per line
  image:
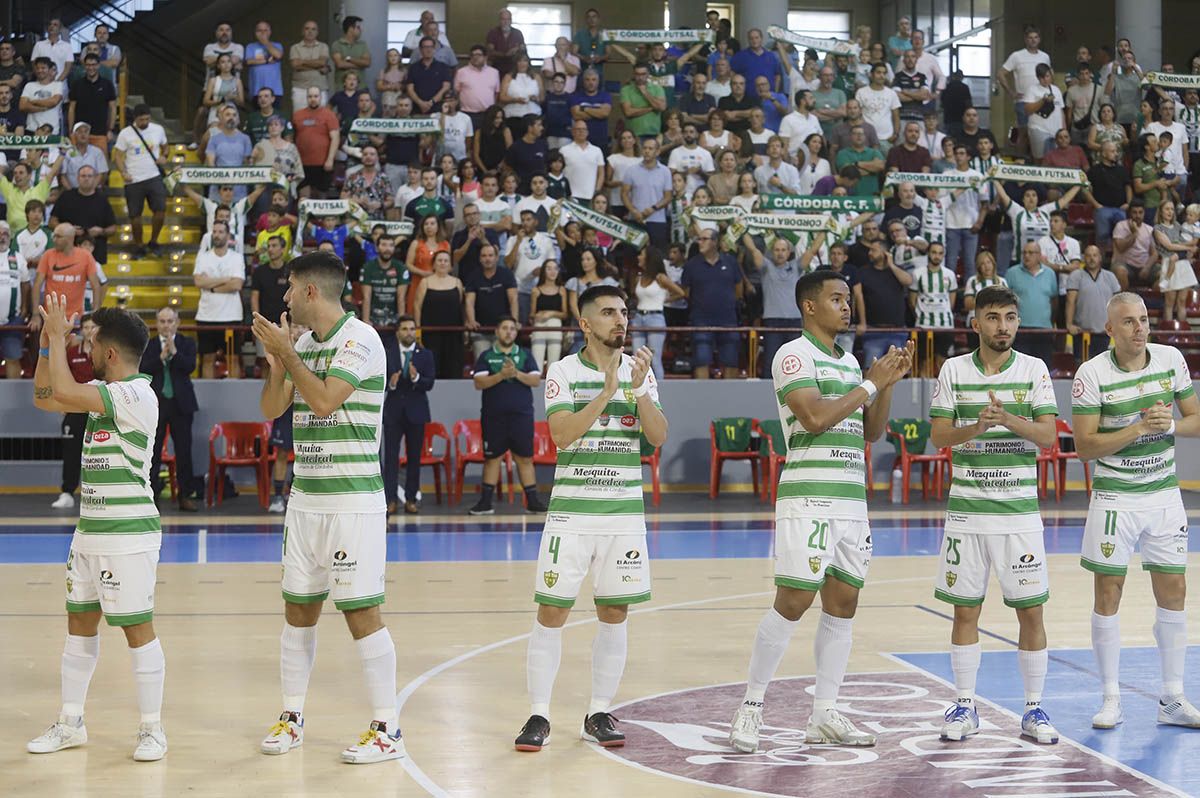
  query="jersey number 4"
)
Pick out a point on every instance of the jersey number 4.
point(555, 542)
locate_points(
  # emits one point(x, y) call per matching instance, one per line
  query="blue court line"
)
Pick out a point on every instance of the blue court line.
point(1072, 696)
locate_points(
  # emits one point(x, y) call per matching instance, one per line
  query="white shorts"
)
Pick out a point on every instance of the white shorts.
point(1018, 560)
point(121, 585)
point(621, 575)
point(338, 555)
point(1110, 536)
point(807, 550)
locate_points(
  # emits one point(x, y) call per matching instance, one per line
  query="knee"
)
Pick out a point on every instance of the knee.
point(967, 616)
point(1030, 617)
point(792, 603)
point(612, 614)
point(552, 617)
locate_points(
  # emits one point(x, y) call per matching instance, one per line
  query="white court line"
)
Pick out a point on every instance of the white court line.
point(202, 545)
point(432, 787)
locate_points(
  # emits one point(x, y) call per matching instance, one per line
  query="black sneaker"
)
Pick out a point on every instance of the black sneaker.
point(154, 249)
point(534, 505)
point(601, 729)
point(535, 734)
point(482, 507)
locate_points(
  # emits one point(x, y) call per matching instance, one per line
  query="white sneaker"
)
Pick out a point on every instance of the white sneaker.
point(278, 505)
point(1178, 711)
point(743, 734)
point(59, 736)
point(1036, 725)
point(375, 745)
point(65, 501)
point(151, 743)
point(1109, 716)
point(286, 734)
point(962, 721)
point(835, 729)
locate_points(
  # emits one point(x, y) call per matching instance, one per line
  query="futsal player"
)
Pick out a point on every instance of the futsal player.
point(334, 530)
point(822, 537)
point(600, 403)
point(995, 407)
point(1123, 409)
point(113, 562)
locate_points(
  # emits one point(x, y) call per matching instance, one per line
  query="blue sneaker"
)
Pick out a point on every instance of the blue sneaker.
point(962, 721)
point(1037, 727)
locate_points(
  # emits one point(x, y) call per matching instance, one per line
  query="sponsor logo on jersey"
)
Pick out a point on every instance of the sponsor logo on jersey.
point(633, 554)
point(814, 563)
point(628, 421)
point(951, 578)
point(339, 555)
point(790, 365)
point(550, 578)
point(1027, 558)
point(70, 584)
point(100, 436)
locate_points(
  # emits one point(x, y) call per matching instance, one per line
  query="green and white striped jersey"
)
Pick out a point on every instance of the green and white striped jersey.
point(824, 475)
point(337, 456)
point(116, 506)
point(598, 481)
point(1190, 117)
point(1028, 225)
point(1142, 475)
point(933, 287)
point(933, 217)
point(13, 272)
point(994, 487)
point(974, 285)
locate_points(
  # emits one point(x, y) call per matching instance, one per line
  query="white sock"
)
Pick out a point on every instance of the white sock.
point(1170, 630)
point(1033, 665)
point(1106, 645)
point(608, 663)
point(378, 654)
point(297, 653)
point(149, 671)
point(79, 658)
point(770, 644)
point(831, 648)
point(964, 661)
point(541, 667)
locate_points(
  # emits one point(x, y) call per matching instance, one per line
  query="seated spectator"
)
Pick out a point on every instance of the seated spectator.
point(736, 106)
point(946, 162)
point(719, 82)
point(93, 100)
point(42, 98)
point(971, 132)
point(12, 71)
point(88, 209)
point(345, 102)
point(816, 167)
point(776, 176)
point(840, 139)
point(412, 39)
point(909, 156)
point(442, 51)
point(869, 161)
point(82, 153)
point(331, 230)
point(1065, 154)
point(723, 184)
point(717, 138)
point(309, 59)
point(797, 126)
point(846, 179)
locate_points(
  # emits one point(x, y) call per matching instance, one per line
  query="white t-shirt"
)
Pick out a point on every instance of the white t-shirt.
point(963, 210)
point(1046, 124)
point(877, 107)
point(455, 132)
point(620, 163)
point(1058, 254)
point(140, 161)
point(683, 158)
point(796, 127)
point(13, 272)
point(533, 253)
point(50, 116)
point(225, 306)
point(60, 53)
point(1023, 65)
point(33, 244)
point(1179, 142)
point(581, 165)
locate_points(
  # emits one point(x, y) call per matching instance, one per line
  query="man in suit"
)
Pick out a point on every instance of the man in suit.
point(169, 360)
point(411, 371)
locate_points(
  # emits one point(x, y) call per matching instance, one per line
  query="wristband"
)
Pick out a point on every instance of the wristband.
point(44, 352)
point(870, 388)
point(642, 390)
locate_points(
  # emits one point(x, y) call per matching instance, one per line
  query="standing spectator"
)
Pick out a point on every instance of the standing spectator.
point(457, 129)
point(521, 93)
point(868, 161)
point(139, 155)
point(79, 360)
point(643, 102)
point(736, 106)
point(1088, 291)
point(840, 265)
point(646, 192)
point(584, 164)
point(82, 153)
point(1177, 253)
point(1106, 129)
point(1135, 260)
point(796, 127)
point(269, 284)
point(589, 45)
point(1149, 184)
point(1083, 100)
point(910, 156)
point(219, 274)
point(653, 289)
point(720, 82)
point(317, 138)
point(1123, 87)
point(69, 270)
point(912, 87)
point(780, 273)
point(349, 53)
point(714, 284)
point(477, 85)
point(927, 64)
point(223, 44)
point(549, 309)
point(384, 285)
point(931, 297)
point(1046, 111)
point(369, 186)
point(412, 39)
point(12, 118)
point(15, 308)
point(88, 210)
point(169, 360)
point(504, 43)
point(34, 236)
point(442, 50)
point(55, 48)
point(257, 120)
point(506, 373)
point(1110, 193)
point(223, 89)
point(228, 146)
point(491, 294)
point(428, 80)
point(439, 303)
point(1178, 152)
point(563, 62)
point(429, 203)
point(22, 189)
point(429, 238)
point(41, 99)
point(410, 370)
point(881, 290)
point(557, 112)
point(344, 102)
point(829, 102)
point(964, 216)
point(1018, 77)
point(900, 41)
point(880, 107)
point(94, 102)
point(696, 104)
point(110, 54)
point(691, 160)
point(524, 255)
point(264, 61)
point(970, 132)
point(527, 155)
point(1030, 221)
point(12, 72)
point(1066, 154)
point(775, 105)
point(755, 60)
point(842, 131)
point(467, 241)
point(956, 99)
point(309, 59)
point(776, 176)
point(1037, 288)
point(593, 106)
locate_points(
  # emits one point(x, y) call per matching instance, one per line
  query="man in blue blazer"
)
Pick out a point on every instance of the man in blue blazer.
point(411, 370)
point(170, 359)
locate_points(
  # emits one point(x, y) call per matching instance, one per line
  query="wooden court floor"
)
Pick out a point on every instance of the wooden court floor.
point(460, 634)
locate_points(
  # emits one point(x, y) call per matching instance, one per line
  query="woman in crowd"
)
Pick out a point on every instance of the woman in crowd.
point(624, 155)
point(280, 154)
point(594, 270)
point(672, 135)
point(468, 185)
point(222, 88)
point(429, 238)
point(717, 137)
point(653, 289)
point(723, 184)
point(447, 182)
point(600, 205)
point(439, 303)
point(549, 309)
point(984, 277)
point(570, 244)
point(491, 140)
point(391, 80)
point(1177, 255)
point(747, 196)
point(816, 164)
point(521, 94)
point(1107, 129)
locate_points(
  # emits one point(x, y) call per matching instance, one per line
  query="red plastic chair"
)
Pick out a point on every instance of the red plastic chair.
point(1062, 457)
point(468, 450)
point(1063, 365)
point(168, 460)
point(870, 476)
point(772, 461)
point(654, 460)
point(246, 444)
point(1047, 460)
point(933, 466)
point(439, 462)
point(1193, 361)
point(718, 459)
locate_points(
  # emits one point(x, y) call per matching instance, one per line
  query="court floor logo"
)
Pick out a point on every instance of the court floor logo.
point(685, 735)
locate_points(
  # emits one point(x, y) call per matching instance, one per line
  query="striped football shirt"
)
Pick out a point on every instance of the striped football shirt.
point(994, 485)
point(824, 475)
point(933, 288)
point(116, 507)
point(1142, 475)
point(598, 479)
point(337, 456)
point(1028, 225)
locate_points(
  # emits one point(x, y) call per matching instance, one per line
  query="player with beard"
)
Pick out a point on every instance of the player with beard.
point(995, 407)
point(600, 403)
point(828, 413)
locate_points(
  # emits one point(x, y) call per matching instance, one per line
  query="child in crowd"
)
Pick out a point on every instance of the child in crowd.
point(276, 226)
point(36, 237)
point(1172, 164)
point(334, 230)
point(279, 196)
point(559, 188)
point(508, 193)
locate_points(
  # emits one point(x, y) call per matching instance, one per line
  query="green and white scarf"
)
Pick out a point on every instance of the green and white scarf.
point(224, 176)
point(1170, 80)
point(634, 236)
point(835, 46)
point(1039, 174)
point(334, 207)
point(408, 126)
point(931, 180)
point(815, 204)
point(11, 141)
point(658, 36)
